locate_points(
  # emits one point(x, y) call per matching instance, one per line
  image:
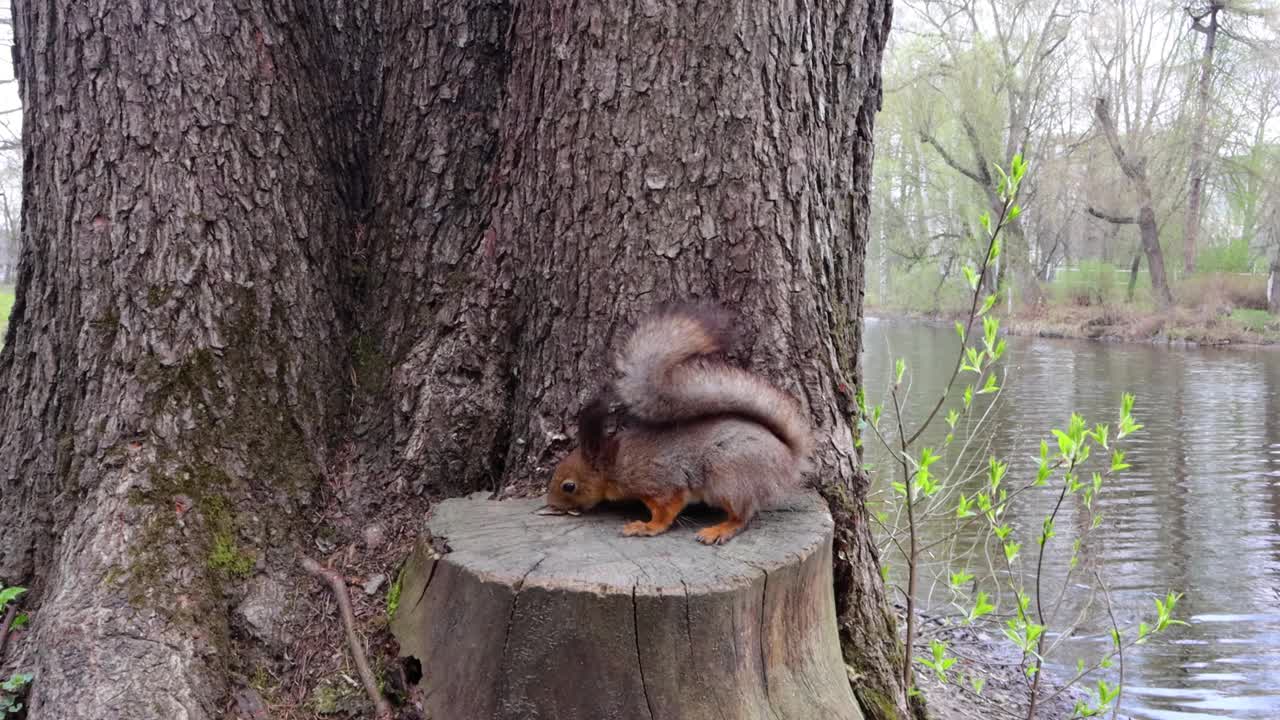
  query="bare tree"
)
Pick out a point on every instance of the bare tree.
point(1021, 67)
point(1205, 21)
point(1133, 47)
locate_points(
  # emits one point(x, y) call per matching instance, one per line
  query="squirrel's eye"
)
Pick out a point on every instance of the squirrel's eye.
point(569, 486)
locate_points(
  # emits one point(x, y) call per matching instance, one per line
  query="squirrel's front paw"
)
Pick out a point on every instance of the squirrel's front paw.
point(717, 534)
point(638, 528)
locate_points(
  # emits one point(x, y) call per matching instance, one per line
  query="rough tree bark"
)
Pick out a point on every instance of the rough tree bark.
point(1196, 163)
point(383, 247)
point(1135, 169)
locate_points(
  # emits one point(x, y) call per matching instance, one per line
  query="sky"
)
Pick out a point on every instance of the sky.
point(10, 116)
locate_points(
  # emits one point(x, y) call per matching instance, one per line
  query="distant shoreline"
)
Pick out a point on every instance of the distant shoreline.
point(1176, 328)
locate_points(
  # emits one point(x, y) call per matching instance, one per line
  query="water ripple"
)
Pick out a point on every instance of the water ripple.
point(1198, 512)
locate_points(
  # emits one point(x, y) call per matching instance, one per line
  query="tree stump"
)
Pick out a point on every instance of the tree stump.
point(517, 615)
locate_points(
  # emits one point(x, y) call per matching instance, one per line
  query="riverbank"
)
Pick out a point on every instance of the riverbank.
point(1179, 326)
point(982, 655)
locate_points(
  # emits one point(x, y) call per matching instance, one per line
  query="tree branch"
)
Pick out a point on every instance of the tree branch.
point(1117, 219)
point(949, 160)
point(339, 587)
point(9, 615)
point(1133, 169)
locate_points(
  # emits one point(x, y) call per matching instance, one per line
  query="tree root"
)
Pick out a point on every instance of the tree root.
point(339, 587)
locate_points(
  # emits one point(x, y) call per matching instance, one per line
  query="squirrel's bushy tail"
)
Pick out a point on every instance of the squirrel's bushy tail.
point(666, 378)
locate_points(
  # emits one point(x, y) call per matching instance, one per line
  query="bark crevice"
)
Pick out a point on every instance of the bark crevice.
point(374, 256)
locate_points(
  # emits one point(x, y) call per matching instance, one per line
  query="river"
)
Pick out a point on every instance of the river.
point(1198, 512)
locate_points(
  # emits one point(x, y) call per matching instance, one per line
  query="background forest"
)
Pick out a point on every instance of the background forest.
point(1153, 131)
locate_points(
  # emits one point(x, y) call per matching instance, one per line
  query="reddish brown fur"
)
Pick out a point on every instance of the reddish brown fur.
point(662, 512)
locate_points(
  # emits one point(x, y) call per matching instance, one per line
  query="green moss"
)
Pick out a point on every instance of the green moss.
point(209, 530)
point(157, 295)
point(393, 594)
point(151, 558)
point(108, 321)
point(226, 556)
point(235, 403)
point(331, 697)
point(261, 680)
point(876, 705)
point(367, 360)
point(113, 575)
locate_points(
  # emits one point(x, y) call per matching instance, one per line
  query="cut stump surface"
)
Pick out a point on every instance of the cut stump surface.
point(516, 615)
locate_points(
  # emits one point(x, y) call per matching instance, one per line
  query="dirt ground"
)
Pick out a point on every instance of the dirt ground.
point(983, 654)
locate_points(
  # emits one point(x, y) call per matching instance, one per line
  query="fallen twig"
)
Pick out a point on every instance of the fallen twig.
point(339, 587)
point(9, 615)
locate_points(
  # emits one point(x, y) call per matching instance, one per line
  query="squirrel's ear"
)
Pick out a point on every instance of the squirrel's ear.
point(593, 428)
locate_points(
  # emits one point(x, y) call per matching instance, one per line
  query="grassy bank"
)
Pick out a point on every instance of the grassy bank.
point(6, 305)
point(1182, 326)
point(1211, 310)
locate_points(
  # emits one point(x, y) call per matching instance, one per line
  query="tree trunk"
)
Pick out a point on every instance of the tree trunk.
point(1196, 163)
point(1149, 233)
point(1273, 285)
point(1135, 169)
point(363, 257)
point(1133, 276)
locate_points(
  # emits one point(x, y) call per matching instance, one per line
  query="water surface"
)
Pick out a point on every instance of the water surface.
point(1198, 513)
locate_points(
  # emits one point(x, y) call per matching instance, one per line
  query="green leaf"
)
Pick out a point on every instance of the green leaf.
point(1046, 533)
point(1066, 446)
point(960, 327)
point(990, 386)
point(987, 304)
point(899, 367)
point(981, 606)
point(1117, 461)
point(971, 277)
point(996, 471)
point(1100, 434)
point(9, 594)
point(1011, 551)
point(1003, 186)
point(927, 457)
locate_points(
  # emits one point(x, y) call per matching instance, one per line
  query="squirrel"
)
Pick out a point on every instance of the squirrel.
point(696, 429)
